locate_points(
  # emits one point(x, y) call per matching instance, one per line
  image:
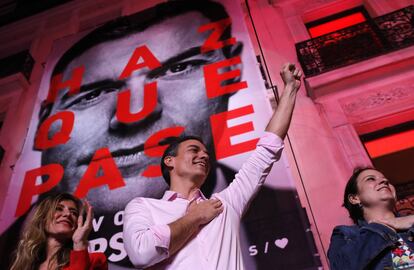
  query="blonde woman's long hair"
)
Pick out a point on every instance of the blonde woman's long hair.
point(31, 250)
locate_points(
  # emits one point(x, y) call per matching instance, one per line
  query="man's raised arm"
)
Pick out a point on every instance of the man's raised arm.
point(280, 121)
point(254, 171)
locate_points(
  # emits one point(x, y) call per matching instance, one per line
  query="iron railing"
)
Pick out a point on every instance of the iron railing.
point(377, 36)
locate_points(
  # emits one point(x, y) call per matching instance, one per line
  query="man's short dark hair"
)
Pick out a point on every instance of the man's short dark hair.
point(355, 211)
point(127, 25)
point(172, 151)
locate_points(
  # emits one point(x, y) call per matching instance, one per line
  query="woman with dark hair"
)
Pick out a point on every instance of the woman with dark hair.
point(379, 239)
point(56, 237)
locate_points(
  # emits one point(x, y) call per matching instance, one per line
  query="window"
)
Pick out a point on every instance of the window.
point(337, 21)
point(392, 152)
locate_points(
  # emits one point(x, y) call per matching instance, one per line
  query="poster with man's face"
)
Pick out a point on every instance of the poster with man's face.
point(112, 98)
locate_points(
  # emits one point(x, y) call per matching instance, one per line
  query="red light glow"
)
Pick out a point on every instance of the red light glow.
point(390, 144)
point(337, 24)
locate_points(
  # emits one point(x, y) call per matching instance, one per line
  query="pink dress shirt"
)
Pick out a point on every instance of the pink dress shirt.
point(217, 245)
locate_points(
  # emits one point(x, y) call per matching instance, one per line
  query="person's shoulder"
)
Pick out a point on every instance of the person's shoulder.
point(346, 229)
point(137, 201)
point(98, 259)
point(141, 202)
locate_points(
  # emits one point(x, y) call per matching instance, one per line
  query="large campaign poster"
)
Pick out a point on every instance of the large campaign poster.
point(111, 98)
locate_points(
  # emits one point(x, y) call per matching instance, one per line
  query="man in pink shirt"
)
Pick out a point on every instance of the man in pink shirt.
point(183, 229)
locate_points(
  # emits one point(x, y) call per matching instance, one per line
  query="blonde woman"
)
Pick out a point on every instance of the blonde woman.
point(56, 237)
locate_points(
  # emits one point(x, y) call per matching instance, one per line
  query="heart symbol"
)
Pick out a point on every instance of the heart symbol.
point(281, 243)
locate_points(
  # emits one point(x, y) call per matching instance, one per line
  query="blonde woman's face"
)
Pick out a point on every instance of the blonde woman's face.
point(64, 220)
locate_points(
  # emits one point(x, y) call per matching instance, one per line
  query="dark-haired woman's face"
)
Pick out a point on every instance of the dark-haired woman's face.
point(64, 220)
point(374, 188)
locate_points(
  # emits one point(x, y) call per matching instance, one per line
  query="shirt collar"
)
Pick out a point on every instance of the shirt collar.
point(170, 195)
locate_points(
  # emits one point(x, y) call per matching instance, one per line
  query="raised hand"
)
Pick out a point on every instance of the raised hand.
point(291, 75)
point(205, 211)
point(280, 121)
point(80, 236)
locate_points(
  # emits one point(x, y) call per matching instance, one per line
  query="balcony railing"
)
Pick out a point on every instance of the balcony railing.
point(356, 43)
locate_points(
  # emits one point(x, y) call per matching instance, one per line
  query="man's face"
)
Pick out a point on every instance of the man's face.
point(191, 162)
point(182, 101)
